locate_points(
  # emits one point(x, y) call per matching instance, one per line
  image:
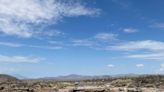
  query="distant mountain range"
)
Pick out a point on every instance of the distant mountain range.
point(76, 77)
point(83, 77)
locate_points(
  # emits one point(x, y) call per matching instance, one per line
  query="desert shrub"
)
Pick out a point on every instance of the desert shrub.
point(121, 83)
point(149, 85)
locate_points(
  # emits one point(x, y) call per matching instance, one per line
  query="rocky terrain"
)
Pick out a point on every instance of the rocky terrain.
point(144, 83)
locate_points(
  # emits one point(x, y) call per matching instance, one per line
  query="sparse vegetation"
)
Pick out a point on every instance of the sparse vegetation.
point(147, 83)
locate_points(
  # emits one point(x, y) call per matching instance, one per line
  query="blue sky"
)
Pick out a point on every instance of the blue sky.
point(40, 38)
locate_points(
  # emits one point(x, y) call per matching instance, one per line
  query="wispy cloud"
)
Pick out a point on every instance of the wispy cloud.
point(83, 42)
point(139, 45)
point(123, 4)
point(96, 41)
point(48, 34)
point(146, 49)
point(139, 65)
point(130, 30)
point(19, 59)
point(106, 36)
point(19, 17)
point(152, 56)
point(17, 45)
point(56, 42)
point(158, 25)
point(110, 65)
point(10, 44)
point(46, 47)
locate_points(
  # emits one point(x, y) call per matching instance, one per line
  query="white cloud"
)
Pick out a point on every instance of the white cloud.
point(18, 17)
point(106, 36)
point(19, 59)
point(139, 45)
point(8, 27)
point(139, 65)
point(130, 30)
point(110, 65)
point(153, 56)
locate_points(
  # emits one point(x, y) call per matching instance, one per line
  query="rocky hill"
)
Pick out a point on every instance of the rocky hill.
point(7, 78)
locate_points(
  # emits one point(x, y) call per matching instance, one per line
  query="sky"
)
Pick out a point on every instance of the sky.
point(46, 38)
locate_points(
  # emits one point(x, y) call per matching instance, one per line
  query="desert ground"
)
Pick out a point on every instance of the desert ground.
point(146, 83)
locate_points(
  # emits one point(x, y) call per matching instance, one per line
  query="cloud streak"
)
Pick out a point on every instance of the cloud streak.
point(19, 59)
point(152, 56)
point(10, 44)
point(97, 41)
point(146, 49)
point(18, 45)
point(149, 45)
